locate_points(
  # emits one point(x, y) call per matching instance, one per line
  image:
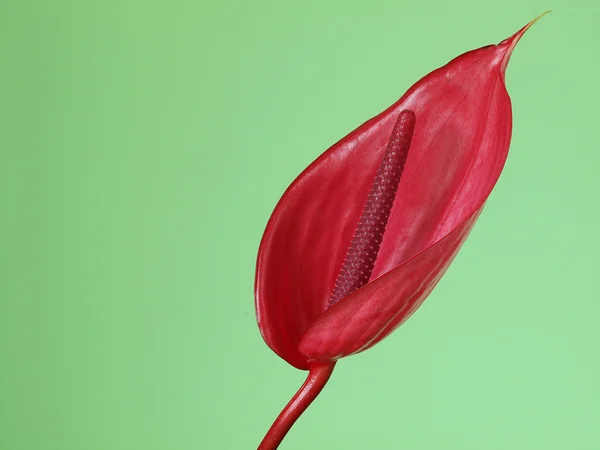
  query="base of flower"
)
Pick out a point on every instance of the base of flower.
point(318, 375)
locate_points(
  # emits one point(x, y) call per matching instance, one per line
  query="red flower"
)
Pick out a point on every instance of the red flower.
point(342, 223)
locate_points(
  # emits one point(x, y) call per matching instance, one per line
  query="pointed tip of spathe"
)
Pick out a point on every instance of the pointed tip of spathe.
point(512, 41)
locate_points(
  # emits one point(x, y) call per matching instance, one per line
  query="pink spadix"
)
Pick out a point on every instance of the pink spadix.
point(362, 253)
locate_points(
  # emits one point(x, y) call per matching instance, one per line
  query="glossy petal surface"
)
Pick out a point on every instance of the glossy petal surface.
point(460, 144)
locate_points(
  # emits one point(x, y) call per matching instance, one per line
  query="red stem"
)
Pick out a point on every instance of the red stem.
point(319, 373)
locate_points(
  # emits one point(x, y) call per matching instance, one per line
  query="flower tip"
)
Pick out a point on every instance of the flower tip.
point(512, 41)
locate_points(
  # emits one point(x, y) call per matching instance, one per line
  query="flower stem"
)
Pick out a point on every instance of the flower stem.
point(319, 373)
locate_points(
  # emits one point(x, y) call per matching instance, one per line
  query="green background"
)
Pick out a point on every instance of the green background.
point(143, 147)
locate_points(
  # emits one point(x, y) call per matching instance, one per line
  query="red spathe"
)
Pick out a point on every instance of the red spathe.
point(458, 150)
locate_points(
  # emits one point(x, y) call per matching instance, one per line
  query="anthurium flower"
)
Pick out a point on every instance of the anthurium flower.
point(363, 235)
